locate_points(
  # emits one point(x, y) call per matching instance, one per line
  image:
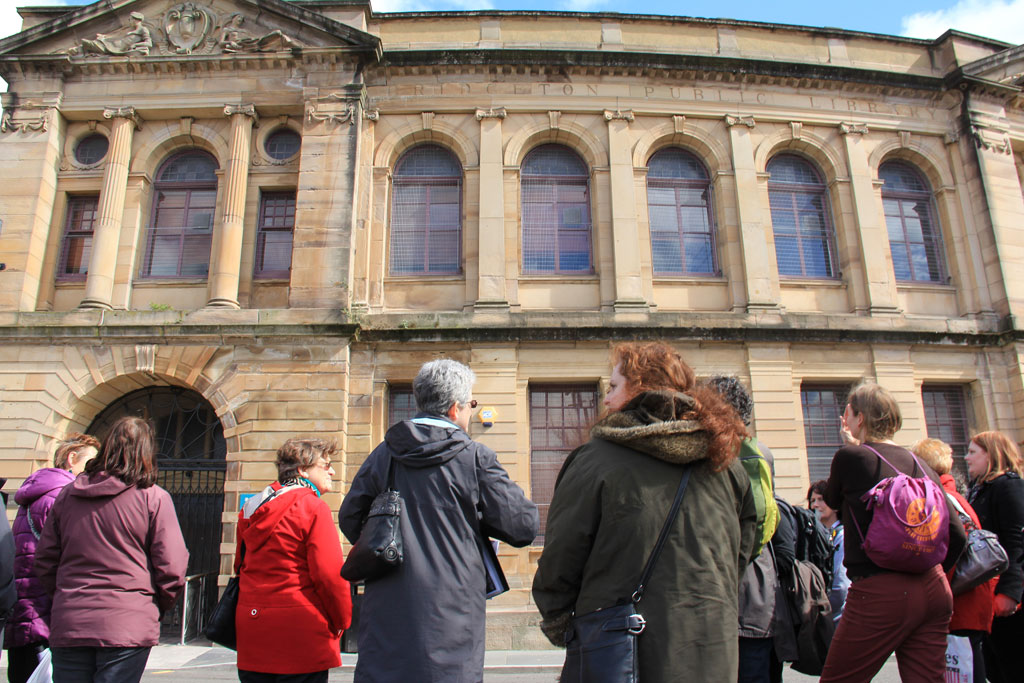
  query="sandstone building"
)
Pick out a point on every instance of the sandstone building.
point(254, 219)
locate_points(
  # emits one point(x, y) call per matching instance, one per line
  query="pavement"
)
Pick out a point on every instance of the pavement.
point(208, 663)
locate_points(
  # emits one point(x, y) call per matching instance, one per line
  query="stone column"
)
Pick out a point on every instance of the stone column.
point(760, 273)
point(226, 256)
point(879, 277)
point(32, 134)
point(629, 292)
point(99, 283)
point(1005, 203)
point(491, 261)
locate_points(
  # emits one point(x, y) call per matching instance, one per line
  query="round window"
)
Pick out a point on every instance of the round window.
point(282, 144)
point(91, 149)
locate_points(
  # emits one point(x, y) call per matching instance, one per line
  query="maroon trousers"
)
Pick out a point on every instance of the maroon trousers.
point(905, 613)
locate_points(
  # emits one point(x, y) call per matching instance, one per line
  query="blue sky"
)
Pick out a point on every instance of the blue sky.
point(1001, 19)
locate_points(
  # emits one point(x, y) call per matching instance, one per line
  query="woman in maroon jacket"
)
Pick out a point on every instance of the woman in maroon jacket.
point(113, 558)
point(293, 603)
point(973, 610)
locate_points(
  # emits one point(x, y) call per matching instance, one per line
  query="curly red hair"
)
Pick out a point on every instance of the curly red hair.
point(653, 366)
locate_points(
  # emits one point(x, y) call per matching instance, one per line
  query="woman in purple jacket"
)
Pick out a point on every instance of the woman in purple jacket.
point(28, 629)
point(113, 559)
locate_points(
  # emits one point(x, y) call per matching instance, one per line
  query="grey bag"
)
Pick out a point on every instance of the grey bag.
point(983, 559)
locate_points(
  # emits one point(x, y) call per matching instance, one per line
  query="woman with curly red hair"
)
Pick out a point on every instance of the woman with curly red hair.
point(612, 498)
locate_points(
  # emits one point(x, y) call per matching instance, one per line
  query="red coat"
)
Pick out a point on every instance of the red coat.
point(972, 610)
point(293, 603)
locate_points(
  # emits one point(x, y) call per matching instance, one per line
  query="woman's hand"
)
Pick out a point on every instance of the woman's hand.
point(1005, 605)
point(846, 434)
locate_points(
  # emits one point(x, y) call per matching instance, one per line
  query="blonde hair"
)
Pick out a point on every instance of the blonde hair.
point(1003, 455)
point(881, 413)
point(936, 453)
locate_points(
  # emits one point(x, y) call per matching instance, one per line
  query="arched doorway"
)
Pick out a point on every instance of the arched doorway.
point(191, 466)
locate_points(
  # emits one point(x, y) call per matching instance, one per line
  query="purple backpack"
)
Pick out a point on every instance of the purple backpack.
point(909, 530)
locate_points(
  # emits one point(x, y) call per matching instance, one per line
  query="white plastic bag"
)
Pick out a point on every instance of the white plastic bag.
point(44, 670)
point(959, 660)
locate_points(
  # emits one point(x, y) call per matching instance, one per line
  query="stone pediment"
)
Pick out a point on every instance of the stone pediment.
point(1005, 68)
point(142, 29)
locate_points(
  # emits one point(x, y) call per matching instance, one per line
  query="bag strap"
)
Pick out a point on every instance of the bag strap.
point(638, 594)
point(964, 517)
point(31, 524)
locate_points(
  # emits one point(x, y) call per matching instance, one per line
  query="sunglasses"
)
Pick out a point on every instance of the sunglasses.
point(473, 403)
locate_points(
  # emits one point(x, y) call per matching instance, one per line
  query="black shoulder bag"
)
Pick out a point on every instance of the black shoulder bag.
point(378, 550)
point(220, 627)
point(600, 646)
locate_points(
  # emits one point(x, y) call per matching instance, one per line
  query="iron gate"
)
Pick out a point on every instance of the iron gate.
point(191, 466)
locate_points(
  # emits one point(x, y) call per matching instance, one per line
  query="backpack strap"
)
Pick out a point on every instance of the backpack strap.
point(673, 513)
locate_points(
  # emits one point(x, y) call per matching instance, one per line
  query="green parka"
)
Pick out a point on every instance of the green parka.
point(610, 502)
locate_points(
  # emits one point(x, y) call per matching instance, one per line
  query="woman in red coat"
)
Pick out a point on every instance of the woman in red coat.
point(973, 610)
point(293, 603)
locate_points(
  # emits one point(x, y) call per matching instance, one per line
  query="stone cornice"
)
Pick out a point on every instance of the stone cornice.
point(301, 325)
point(726, 69)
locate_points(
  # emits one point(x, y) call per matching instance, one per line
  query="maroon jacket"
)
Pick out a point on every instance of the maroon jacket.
point(113, 558)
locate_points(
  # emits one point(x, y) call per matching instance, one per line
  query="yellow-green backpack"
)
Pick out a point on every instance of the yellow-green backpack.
point(760, 474)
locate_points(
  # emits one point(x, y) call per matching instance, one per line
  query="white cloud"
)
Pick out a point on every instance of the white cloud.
point(999, 19)
point(583, 5)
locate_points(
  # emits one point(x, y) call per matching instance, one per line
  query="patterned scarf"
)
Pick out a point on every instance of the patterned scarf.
point(303, 482)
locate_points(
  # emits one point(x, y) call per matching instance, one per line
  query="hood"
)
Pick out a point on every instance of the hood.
point(41, 482)
point(263, 519)
point(658, 423)
point(98, 485)
point(426, 440)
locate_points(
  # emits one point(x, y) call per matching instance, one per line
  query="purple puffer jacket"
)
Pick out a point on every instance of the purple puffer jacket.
point(30, 620)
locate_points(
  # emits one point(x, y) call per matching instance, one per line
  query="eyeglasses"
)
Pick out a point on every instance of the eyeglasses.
point(473, 403)
point(326, 464)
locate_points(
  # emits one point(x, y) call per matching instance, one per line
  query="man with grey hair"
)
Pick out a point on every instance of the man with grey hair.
point(424, 621)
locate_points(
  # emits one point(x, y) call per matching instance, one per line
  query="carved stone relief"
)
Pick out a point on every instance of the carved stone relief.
point(184, 29)
point(331, 108)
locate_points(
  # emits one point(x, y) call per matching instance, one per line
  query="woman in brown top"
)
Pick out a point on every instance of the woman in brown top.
point(885, 611)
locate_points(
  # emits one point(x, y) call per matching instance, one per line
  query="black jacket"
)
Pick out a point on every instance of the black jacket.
point(424, 621)
point(1000, 507)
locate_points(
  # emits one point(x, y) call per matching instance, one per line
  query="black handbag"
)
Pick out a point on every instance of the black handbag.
point(378, 550)
point(600, 646)
point(220, 628)
point(984, 558)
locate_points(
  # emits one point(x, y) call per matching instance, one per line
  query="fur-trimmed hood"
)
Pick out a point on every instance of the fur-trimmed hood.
point(658, 423)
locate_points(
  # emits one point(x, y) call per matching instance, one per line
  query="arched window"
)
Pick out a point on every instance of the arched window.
point(679, 206)
point(426, 213)
point(556, 212)
point(181, 229)
point(804, 240)
point(913, 231)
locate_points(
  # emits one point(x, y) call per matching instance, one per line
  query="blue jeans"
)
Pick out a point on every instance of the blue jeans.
point(755, 660)
point(99, 664)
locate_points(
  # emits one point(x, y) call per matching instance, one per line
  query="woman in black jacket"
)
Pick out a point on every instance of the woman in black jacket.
point(997, 495)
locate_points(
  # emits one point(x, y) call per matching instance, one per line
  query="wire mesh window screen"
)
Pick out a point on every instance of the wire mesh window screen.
point(555, 212)
point(401, 403)
point(946, 418)
point(78, 232)
point(679, 207)
point(181, 229)
point(560, 416)
point(283, 143)
point(804, 238)
point(914, 235)
point(426, 213)
point(274, 237)
point(91, 149)
point(823, 406)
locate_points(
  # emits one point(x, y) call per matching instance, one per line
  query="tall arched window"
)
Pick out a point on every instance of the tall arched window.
point(426, 213)
point(556, 212)
point(181, 229)
point(804, 240)
point(679, 206)
point(914, 237)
